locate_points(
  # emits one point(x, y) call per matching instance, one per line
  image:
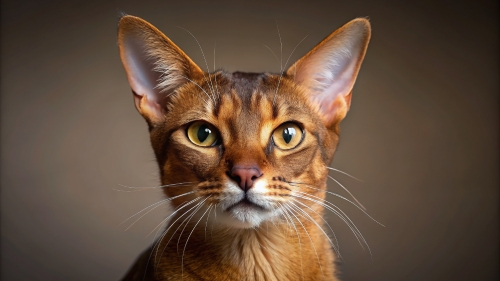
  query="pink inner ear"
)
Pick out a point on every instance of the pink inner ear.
point(330, 69)
point(340, 85)
point(330, 79)
point(140, 70)
point(336, 109)
point(155, 66)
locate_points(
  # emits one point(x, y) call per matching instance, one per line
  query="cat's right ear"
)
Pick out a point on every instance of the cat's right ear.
point(155, 66)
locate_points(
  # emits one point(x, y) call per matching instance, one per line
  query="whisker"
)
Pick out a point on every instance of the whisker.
point(336, 248)
point(281, 75)
point(159, 202)
point(339, 196)
point(286, 222)
point(166, 232)
point(201, 89)
point(201, 49)
point(159, 241)
point(277, 59)
point(286, 63)
point(361, 205)
point(189, 219)
point(285, 212)
point(343, 217)
point(215, 220)
point(206, 223)
point(171, 225)
point(160, 186)
point(215, 76)
point(281, 47)
point(150, 187)
point(173, 213)
point(310, 239)
point(187, 240)
point(275, 226)
point(317, 225)
point(337, 170)
point(325, 203)
point(158, 205)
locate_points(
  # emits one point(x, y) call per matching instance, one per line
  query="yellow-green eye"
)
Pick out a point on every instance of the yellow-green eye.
point(203, 134)
point(287, 136)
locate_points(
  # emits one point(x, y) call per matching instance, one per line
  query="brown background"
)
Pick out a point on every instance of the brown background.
point(422, 132)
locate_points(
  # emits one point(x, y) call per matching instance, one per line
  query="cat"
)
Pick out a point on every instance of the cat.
point(242, 157)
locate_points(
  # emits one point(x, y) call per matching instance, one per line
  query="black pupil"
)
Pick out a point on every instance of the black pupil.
point(288, 134)
point(203, 133)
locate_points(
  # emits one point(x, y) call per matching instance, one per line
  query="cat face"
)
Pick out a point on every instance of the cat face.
point(247, 144)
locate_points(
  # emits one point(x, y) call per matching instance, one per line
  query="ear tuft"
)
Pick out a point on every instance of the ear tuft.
point(121, 13)
point(329, 70)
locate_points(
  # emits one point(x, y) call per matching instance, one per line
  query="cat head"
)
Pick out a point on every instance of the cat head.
point(248, 144)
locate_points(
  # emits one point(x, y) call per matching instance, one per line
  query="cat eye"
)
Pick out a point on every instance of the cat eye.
point(287, 135)
point(202, 133)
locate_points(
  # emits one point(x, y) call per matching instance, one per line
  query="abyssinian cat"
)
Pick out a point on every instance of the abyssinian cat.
point(243, 157)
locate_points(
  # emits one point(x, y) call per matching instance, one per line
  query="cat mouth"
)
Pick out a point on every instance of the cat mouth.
point(245, 203)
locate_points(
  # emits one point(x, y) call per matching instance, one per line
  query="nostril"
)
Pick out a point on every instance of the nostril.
point(245, 176)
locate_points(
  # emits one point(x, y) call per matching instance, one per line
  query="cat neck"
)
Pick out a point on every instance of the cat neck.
point(275, 250)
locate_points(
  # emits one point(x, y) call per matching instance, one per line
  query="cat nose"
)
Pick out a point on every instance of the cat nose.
point(245, 176)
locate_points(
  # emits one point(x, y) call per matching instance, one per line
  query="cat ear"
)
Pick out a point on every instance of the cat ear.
point(155, 66)
point(329, 71)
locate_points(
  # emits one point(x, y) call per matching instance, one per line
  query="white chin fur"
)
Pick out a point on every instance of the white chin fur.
point(245, 216)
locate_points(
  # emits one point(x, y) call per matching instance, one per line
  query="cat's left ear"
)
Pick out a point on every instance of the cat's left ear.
point(329, 71)
point(155, 66)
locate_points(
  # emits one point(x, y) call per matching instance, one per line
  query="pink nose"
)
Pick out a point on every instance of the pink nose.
point(245, 176)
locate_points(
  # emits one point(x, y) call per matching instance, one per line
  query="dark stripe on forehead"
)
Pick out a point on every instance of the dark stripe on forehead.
point(220, 87)
point(256, 102)
point(233, 128)
point(245, 84)
point(248, 76)
point(217, 107)
point(275, 110)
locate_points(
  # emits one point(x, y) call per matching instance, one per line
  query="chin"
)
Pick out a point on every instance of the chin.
point(244, 217)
